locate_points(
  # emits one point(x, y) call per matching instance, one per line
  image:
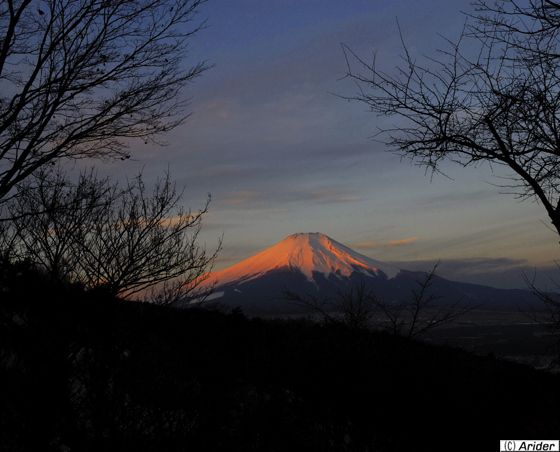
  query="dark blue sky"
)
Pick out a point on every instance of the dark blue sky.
point(281, 153)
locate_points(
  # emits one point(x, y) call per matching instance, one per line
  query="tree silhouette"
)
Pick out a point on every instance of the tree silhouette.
point(86, 78)
point(492, 97)
point(412, 317)
point(126, 241)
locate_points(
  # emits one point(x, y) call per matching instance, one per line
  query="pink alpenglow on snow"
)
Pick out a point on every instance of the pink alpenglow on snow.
point(308, 253)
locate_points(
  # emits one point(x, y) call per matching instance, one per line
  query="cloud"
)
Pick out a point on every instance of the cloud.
point(505, 273)
point(240, 197)
point(385, 244)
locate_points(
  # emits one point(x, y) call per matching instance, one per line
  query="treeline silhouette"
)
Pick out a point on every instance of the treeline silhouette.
point(87, 371)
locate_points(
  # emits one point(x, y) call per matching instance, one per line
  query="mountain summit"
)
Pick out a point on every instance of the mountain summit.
point(308, 253)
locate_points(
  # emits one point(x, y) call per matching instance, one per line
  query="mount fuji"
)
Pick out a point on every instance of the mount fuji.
point(314, 264)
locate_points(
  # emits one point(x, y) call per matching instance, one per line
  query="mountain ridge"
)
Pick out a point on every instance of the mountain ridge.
point(316, 265)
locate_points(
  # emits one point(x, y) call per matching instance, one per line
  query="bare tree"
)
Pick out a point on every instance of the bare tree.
point(548, 313)
point(492, 97)
point(49, 218)
point(84, 78)
point(128, 241)
point(316, 304)
point(412, 317)
point(423, 310)
point(146, 240)
point(357, 305)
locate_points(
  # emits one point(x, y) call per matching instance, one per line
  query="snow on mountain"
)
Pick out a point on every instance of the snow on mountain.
point(308, 253)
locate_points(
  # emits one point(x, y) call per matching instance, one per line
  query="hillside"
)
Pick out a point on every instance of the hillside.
point(87, 372)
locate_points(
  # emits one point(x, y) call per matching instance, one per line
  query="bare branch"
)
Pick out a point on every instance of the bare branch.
point(499, 106)
point(82, 78)
point(411, 318)
point(93, 233)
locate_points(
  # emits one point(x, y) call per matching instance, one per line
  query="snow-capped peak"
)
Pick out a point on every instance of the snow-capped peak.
point(308, 253)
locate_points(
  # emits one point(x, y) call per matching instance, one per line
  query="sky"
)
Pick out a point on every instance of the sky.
point(279, 148)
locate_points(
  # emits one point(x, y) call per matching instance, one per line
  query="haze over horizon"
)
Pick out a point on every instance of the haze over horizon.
point(282, 152)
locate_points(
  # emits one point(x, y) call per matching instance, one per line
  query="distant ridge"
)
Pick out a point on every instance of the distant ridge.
point(315, 264)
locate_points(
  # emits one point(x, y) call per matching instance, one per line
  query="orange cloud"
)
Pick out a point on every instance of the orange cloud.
point(385, 244)
point(239, 197)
